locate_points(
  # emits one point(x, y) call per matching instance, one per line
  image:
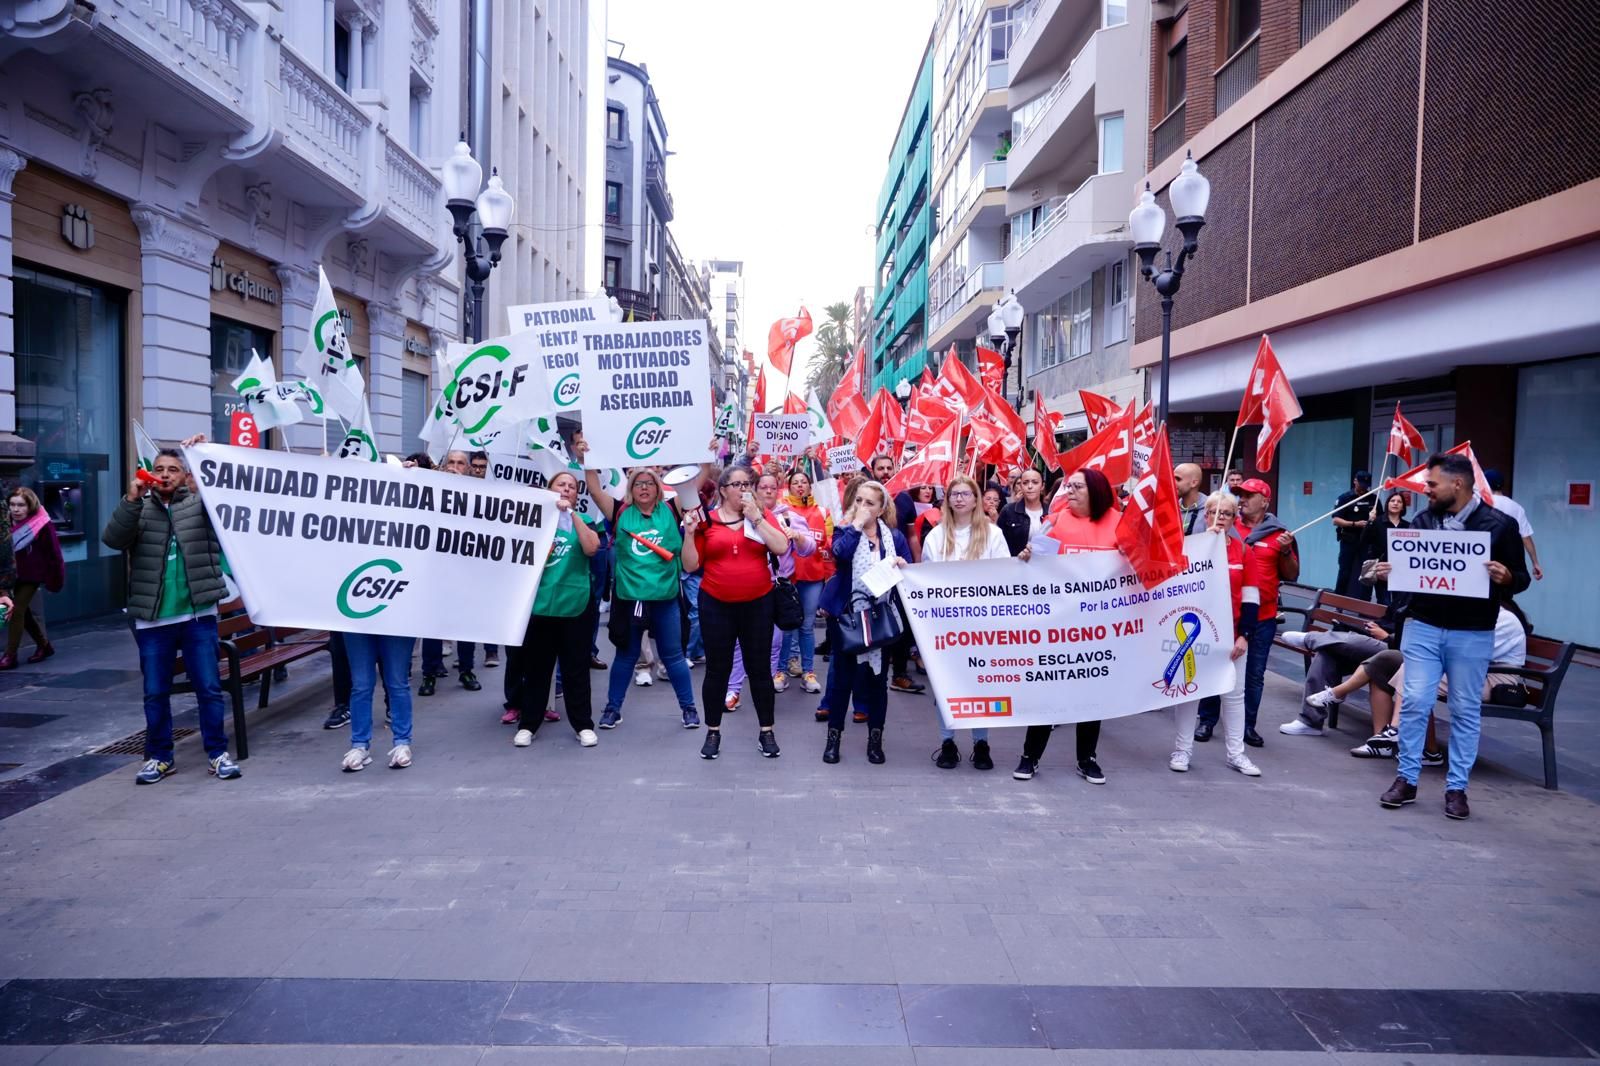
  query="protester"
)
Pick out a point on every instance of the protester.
point(1375, 542)
point(881, 468)
point(1221, 514)
point(339, 669)
point(900, 651)
point(837, 690)
point(1452, 635)
point(864, 540)
point(769, 494)
point(372, 655)
point(735, 599)
point(558, 629)
point(963, 533)
point(1271, 547)
point(1235, 479)
point(1507, 506)
point(646, 589)
point(1191, 501)
point(1087, 523)
point(478, 467)
point(39, 562)
point(993, 500)
point(433, 668)
point(1350, 526)
point(927, 517)
point(811, 571)
point(1023, 518)
point(174, 586)
point(1334, 654)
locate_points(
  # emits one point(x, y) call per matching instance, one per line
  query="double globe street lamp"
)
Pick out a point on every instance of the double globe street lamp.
point(482, 216)
point(1190, 192)
point(1005, 327)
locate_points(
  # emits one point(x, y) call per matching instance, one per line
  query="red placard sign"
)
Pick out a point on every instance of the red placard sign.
point(244, 433)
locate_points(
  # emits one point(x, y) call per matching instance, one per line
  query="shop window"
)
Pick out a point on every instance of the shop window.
point(231, 345)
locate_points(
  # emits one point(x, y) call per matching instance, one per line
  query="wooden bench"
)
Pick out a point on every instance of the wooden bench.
point(1330, 611)
point(249, 652)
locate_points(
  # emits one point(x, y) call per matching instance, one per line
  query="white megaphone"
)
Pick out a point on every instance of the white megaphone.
point(684, 481)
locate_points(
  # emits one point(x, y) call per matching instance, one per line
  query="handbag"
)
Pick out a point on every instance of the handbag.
point(876, 625)
point(788, 614)
point(1369, 572)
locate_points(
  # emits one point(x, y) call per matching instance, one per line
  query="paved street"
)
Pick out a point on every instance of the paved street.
point(491, 900)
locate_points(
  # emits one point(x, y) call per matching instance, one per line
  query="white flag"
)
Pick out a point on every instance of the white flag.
point(327, 362)
point(270, 402)
point(440, 429)
point(821, 429)
point(146, 448)
point(495, 385)
point(359, 442)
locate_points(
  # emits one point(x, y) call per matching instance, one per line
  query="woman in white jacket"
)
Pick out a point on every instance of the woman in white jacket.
point(964, 532)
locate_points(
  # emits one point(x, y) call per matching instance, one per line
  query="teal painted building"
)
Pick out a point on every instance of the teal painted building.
point(904, 214)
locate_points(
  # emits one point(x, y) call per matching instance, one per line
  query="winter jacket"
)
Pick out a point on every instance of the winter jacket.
point(846, 539)
point(41, 562)
point(144, 527)
point(1016, 525)
point(1261, 560)
point(1505, 547)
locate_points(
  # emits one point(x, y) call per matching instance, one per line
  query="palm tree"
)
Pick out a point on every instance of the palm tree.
point(835, 348)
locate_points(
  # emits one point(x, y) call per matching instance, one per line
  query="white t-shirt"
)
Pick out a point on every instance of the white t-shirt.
point(934, 549)
point(1035, 521)
point(1510, 642)
point(1511, 508)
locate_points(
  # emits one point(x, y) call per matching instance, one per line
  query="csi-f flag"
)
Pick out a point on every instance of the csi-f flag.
point(359, 442)
point(495, 385)
point(146, 448)
point(327, 362)
point(821, 429)
point(270, 402)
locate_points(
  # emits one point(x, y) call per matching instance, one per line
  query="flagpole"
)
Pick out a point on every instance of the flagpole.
point(1336, 510)
point(1228, 463)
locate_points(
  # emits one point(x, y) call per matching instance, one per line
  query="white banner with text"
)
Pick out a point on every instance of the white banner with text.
point(781, 435)
point(1439, 561)
point(645, 393)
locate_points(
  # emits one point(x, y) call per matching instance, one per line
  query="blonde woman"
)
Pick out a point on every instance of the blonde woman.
point(964, 532)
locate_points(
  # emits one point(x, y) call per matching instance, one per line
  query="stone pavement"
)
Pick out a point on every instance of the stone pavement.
point(633, 903)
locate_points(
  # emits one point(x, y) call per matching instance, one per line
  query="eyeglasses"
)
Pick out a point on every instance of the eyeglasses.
point(961, 494)
point(1074, 486)
point(737, 485)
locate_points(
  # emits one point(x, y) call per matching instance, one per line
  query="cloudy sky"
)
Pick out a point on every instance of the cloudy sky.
point(781, 114)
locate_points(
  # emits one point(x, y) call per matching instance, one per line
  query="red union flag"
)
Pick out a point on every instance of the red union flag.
point(992, 369)
point(935, 464)
point(883, 430)
point(1416, 479)
point(924, 415)
point(847, 410)
point(761, 391)
point(783, 336)
point(1012, 445)
point(1404, 440)
point(1268, 400)
point(956, 386)
point(1108, 451)
point(793, 405)
point(1099, 410)
point(1044, 434)
point(1150, 532)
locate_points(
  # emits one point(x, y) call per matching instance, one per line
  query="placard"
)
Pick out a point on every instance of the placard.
point(560, 315)
point(1442, 562)
point(644, 394)
point(843, 460)
point(780, 434)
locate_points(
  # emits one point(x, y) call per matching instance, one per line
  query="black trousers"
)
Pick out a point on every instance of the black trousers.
point(549, 641)
point(1038, 736)
point(748, 625)
point(871, 691)
point(1349, 570)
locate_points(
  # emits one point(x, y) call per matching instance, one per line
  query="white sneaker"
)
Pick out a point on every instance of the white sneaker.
point(1294, 639)
point(355, 759)
point(400, 756)
point(587, 738)
point(661, 672)
point(641, 677)
point(780, 682)
point(1179, 763)
point(1245, 766)
point(1323, 700)
point(523, 738)
point(1297, 727)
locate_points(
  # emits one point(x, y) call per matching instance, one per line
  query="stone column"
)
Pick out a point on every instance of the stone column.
point(358, 37)
point(176, 330)
point(387, 327)
point(16, 453)
point(299, 289)
point(327, 38)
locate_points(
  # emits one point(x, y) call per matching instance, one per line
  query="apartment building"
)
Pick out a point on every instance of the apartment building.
point(638, 204)
point(1406, 196)
point(898, 317)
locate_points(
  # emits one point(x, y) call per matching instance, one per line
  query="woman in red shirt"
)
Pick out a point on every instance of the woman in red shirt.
point(810, 572)
point(733, 547)
point(1088, 522)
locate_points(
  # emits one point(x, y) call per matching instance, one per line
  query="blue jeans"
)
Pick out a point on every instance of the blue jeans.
point(836, 692)
point(371, 653)
point(1255, 678)
point(806, 635)
point(1462, 656)
point(467, 655)
point(691, 589)
point(667, 627)
point(158, 654)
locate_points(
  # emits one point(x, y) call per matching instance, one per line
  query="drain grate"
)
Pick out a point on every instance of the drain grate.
point(134, 745)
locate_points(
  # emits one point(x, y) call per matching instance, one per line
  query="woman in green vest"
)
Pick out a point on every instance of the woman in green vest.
point(646, 574)
point(558, 631)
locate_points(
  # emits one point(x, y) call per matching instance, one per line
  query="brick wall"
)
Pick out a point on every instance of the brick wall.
point(1202, 91)
point(1280, 34)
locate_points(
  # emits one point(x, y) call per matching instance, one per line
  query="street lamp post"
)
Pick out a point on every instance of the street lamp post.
point(1190, 194)
point(481, 221)
point(1005, 329)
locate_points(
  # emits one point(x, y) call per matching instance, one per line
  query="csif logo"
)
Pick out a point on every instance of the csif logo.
point(647, 436)
point(489, 383)
point(566, 393)
point(642, 542)
point(358, 444)
point(372, 583)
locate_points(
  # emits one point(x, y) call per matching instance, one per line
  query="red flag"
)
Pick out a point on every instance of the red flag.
point(956, 386)
point(793, 405)
point(783, 336)
point(1141, 437)
point(884, 429)
point(761, 390)
point(1416, 479)
point(992, 368)
point(1269, 400)
point(1014, 439)
point(1099, 410)
point(935, 464)
point(924, 415)
point(1044, 434)
point(1108, 451)
point(1404, 440)
point(846, 408)
point(1150, 531)
point(926, 380)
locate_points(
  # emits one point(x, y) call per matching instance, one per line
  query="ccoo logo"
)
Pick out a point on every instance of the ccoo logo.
point(647, 436)
point(370, 588)
point(566, 393)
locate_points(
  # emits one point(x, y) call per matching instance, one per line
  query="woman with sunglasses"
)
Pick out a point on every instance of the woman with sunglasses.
point(733, 548)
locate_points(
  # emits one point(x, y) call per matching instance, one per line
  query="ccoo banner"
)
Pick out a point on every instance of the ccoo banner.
point(1070, 638)
point(322, 543)
point(644, 393)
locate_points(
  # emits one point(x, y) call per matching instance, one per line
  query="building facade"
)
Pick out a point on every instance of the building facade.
point(1406, 197)
point(1078, 87)
point(171, 177)
point(638, 205)
point(899, 336)
point(725, 289)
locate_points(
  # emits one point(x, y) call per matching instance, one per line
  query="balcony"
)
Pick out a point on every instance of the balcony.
point(1055, 30)
point(206, 41)
point(636, 306)
point(956, 308)
point(322, 127)
point(412, 194)
point(990, 178)
point(1064, 118)
point(655, 187)
point(1239, 74)
point(1075, 239)
point(1167, 137)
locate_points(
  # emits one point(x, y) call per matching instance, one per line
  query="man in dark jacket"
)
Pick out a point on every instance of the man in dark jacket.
point(174, 586)
point(1349, 523)
point(1452, 636)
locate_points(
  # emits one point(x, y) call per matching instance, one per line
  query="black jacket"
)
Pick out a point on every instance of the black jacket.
point(1352, 507)
point(1015, 525)
point(1460, 612)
